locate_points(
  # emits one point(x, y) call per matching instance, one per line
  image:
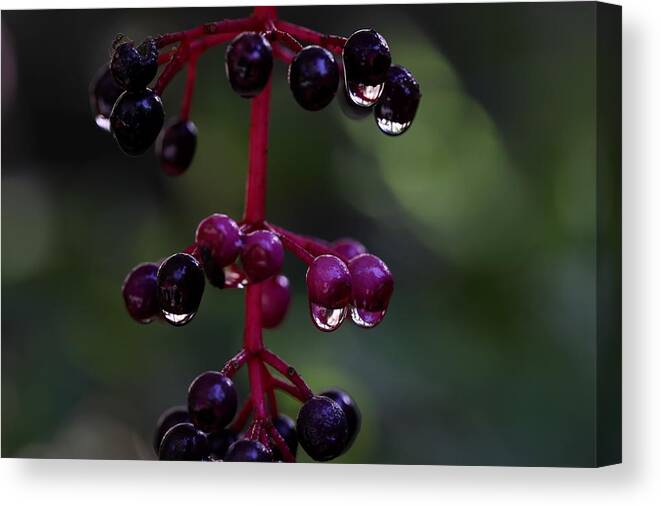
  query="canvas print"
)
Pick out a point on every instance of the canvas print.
point(352, 234)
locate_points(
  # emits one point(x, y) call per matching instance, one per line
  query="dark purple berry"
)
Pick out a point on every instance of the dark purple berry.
point(399, 101)
point(371, 283)
point(262, 255)
point(348, 248)
point(180, 287)
point(183, 442)
point(134, 67)
point(287, 429)
point(211, 401)
point(175, 146)
point(248, 63)
point(248, 450)
point(104, 92)
point(329, 282)
point(350, 410)
point(219, 235)
point(219, 442)
point(135, 120)
point(168, 419)
point(140, 292)
point(276, 296)
point(313, 77)
point(366, 58)
point(322, 428)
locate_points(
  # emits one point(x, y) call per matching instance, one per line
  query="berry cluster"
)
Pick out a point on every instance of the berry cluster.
point(342, 279)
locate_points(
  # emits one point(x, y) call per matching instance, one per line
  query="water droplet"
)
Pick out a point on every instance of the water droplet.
point(235, 278)
point(178, 319)
point(392, 128)
point(364, 318)
point(102, 122)
point(327, 319)
point(363, 95)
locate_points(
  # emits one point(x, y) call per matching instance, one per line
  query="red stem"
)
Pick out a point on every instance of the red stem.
point(242, 416)
point(288, 388)
point(216, 27)
point(287, 371)
point(333, 43)
point(188, 90)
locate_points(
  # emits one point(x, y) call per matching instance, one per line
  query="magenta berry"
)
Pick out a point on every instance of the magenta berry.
point(350, 409)
point(248, 450)
point(372, 286)
point(183, 442)
point(399, 101)
point(329, 282)
point(175, 146)
point(211, 401)
point(276, 296)
point(314, 77)
point(348, 248)
point(248, 63)
point(262, 255)
point(140, 293)
point(180, 286)
point(135, 120)
point(168, 419)
point(322, 428)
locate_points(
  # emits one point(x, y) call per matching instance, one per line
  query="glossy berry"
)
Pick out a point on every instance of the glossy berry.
point(248, 450)
point(366, 58)
point(218, 236)
point(104, 92)
point(350, 410)
point(135, 120)
point(329, 282)
point(211, 401)
point(248, 63)
point(134, 67)
point(348, 248)
point(287, 429)
point(313, 77)
point(168, 419)
point(371, 283)
point(219, 442)
point(175, 146)
point(140, 293)
point(180, 287)
point(276, 296)
point(322, 428)
point(399, 101)
point(183, 442)
point(262, 255)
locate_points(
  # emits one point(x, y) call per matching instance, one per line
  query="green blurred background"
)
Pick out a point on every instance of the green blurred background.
point(485, 212)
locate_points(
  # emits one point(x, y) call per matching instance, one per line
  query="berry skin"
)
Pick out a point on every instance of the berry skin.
point(350, 409)
point(104, 92)
point(262, 255)
point(322, 428)
point(366, 58)
point(348, 248)
point(219, 239)
point(183, 442)
point(211, 401)
point(276, 296)
point(371, 283)
point(134, 68)
point(168, 419)
point(329, 282)
point(249, 451)
point(287, 429)
point(140, 292)
point(219, 442)
point(135, 120)
point(180, 286)
point(248, 63)
point(175, 146)
point(313, 77)
point(399, 101)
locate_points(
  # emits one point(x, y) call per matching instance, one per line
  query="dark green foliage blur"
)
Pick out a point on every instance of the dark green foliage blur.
point(484, 210)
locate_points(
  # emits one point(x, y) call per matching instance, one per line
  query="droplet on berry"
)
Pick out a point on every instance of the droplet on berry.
point(140, 292)
point(287, 429)
point(348, 107)
point(313, 77)
point(183, 442)
point(329, 291)
point(327, 319)
point(235, 278)
point(219, 442)
point(211, 401)
point(371, 288)
point(180, 287)
point(399, 101)
point(218, 240)
point(135, 120)
point(168, 419)
point(322, 428)
point(249, 451)
point(262, 255)
point(134, 68)
point(248, 63)
point(350, 410)
point(275, 300)
point(104, 92)
point(175, 146)
point(348, 248)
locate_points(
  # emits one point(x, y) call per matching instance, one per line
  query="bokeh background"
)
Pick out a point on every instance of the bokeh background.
point(485, 212)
